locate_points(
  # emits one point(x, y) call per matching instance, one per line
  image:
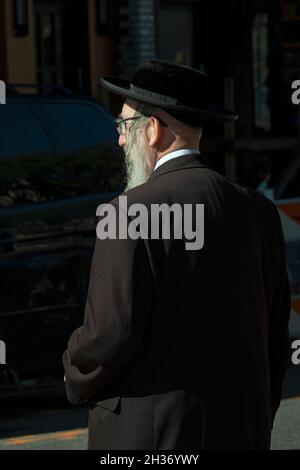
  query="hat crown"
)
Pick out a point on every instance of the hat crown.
point(189, 87)
point(182, 91)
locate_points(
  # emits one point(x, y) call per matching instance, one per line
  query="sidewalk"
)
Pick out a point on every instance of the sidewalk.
point(286, 431)
point(61, 427)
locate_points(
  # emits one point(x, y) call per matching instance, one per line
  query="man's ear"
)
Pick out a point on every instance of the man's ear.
point(153, 131)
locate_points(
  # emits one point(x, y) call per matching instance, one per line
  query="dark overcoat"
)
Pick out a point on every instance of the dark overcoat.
point(186, 349)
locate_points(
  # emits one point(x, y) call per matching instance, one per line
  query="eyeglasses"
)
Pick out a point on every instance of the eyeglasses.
point(121, 123)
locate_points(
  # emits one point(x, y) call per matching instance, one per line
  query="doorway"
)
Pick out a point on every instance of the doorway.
point(62, 44)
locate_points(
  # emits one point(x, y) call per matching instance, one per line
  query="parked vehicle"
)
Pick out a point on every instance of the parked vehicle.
point(59, 160)
point(286, 195)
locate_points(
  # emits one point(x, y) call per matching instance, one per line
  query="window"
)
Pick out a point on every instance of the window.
point(52, 150)
point(20, 133)
point(290, 50)
point(22, 143)
point(73, 126)
point(85, 136)
point(176, 33)
point(260, 48)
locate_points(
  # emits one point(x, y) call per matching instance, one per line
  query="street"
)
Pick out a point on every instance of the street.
point(43, 420)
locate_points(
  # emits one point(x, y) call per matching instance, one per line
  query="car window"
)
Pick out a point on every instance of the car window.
point(85, 137)
point(83, 159)
point(71, 126)
point(20, 133)
point(23, 144)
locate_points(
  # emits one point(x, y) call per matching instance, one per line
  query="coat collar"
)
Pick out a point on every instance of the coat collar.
point(183, 162)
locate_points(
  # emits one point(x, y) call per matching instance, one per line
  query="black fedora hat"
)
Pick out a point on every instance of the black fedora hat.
point(182, 91)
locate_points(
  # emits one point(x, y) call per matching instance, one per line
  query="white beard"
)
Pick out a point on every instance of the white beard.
point(136, 161)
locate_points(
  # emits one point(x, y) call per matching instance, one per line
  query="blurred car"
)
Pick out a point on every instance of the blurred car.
point(59, 160)
point(286, 195)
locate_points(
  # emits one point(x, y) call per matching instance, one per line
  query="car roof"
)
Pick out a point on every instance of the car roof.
point(52, 93)
point(50, 98)
point(55, 99)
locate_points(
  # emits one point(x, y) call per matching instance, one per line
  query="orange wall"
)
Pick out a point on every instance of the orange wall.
point(102, 53)
point(3, 75)
point(20, 51)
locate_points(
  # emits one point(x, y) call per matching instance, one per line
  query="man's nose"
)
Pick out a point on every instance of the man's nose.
point(122, 140)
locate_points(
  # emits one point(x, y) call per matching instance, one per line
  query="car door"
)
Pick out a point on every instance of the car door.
point(287, 191)
point(52, 180)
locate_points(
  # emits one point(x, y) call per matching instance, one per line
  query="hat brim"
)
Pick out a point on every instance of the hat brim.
point(209, 113)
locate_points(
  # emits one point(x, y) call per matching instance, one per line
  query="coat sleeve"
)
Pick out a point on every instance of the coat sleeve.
point(116, 316)
point(279, 341)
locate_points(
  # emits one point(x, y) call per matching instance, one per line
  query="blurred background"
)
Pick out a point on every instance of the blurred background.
point(59, 159)
point(250, 48)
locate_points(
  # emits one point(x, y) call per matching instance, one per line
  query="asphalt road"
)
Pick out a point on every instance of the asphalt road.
point(42, 419)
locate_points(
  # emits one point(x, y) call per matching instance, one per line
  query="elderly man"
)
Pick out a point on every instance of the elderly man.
point(182, 349)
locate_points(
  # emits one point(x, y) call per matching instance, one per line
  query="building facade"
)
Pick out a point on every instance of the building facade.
point(250, 49)
point(59, 42)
